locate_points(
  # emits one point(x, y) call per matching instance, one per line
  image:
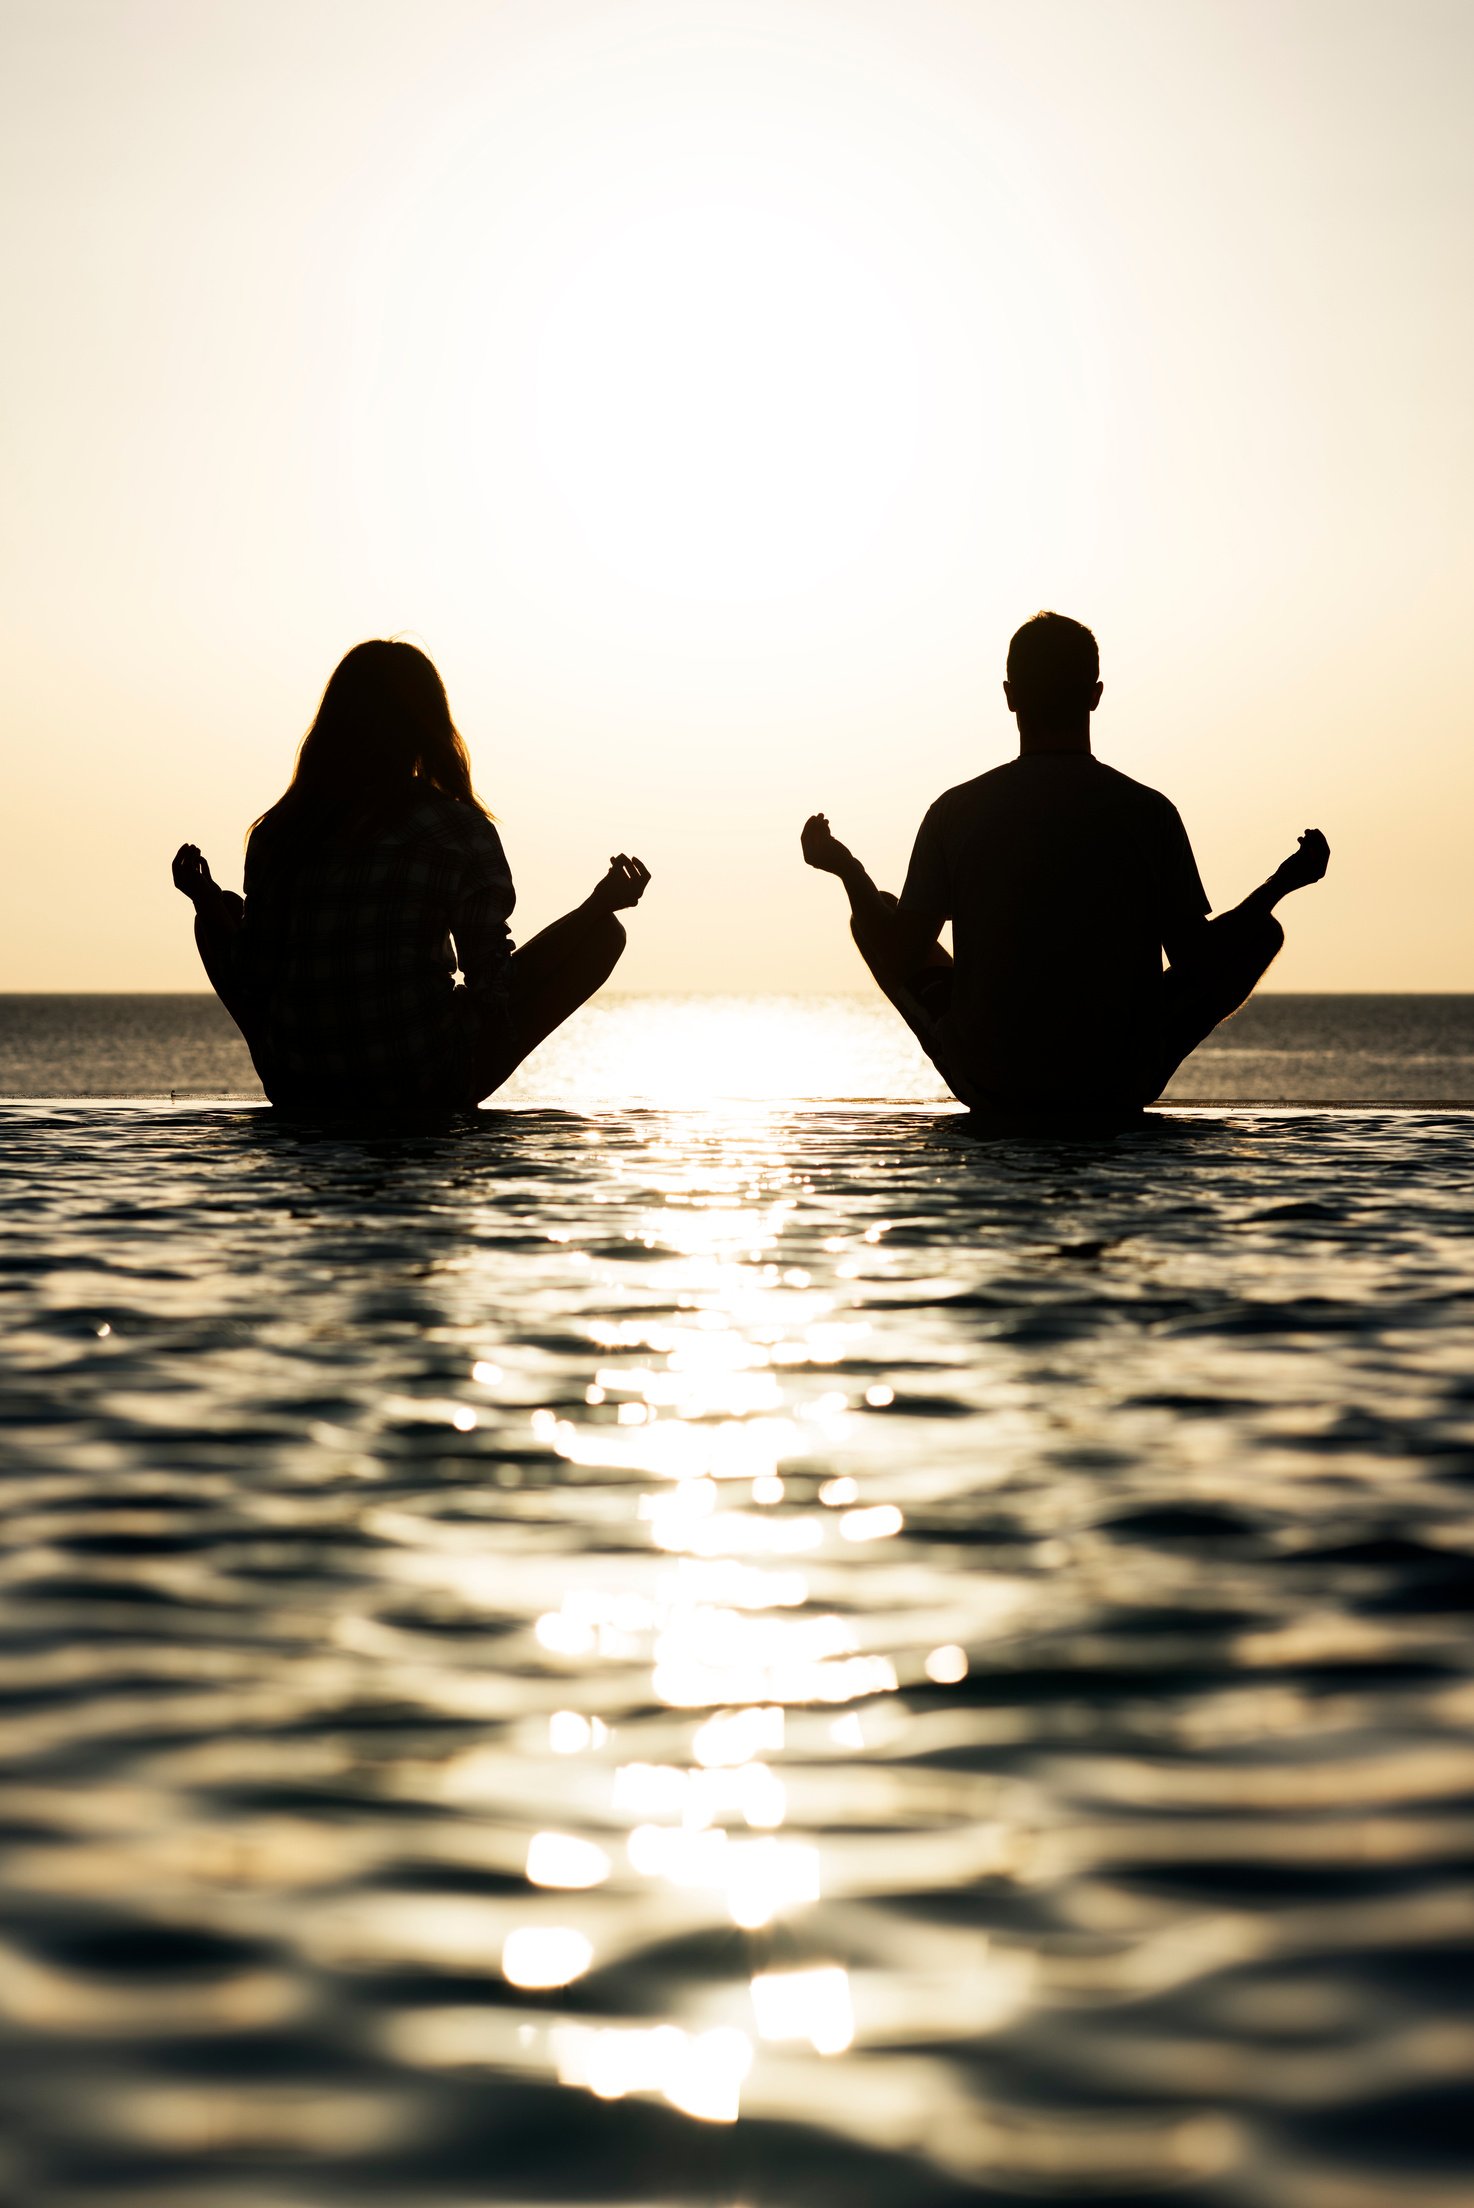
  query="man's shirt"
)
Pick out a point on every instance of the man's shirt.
point(1063, 880)
point(348, 959)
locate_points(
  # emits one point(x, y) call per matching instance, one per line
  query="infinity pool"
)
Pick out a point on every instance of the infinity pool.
point(748, 1655)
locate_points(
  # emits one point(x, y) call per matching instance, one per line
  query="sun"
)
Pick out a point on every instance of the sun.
point(727, 401)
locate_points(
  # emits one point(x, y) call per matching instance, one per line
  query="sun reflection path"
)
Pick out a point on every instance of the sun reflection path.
point(695, 1552)
point(706, 1054)
point(728, 1409)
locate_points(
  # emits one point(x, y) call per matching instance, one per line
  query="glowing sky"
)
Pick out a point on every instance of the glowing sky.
point(711, 386)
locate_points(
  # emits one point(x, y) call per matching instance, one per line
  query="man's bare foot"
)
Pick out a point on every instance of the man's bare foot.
point(1305, 865)
point(822, 848)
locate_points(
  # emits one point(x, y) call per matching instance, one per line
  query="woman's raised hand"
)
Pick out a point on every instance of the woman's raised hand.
point(193, 879)
point(623, 885)
point(192, 876)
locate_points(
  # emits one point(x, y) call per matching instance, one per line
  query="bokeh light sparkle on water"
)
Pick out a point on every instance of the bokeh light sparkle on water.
point(736, 1653)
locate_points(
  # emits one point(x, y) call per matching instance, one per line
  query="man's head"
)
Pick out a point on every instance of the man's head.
point(1053, 681)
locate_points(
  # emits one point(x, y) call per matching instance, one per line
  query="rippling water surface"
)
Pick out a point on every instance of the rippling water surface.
point(748, 1655)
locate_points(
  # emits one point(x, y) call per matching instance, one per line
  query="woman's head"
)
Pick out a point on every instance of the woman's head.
point(383, 733)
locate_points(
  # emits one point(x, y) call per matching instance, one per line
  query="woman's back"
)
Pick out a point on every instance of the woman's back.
point(348, 957)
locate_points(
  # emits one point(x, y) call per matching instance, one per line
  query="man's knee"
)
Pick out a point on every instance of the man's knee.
point(1238, 946)
point(1262, 946)
point(1237, 951)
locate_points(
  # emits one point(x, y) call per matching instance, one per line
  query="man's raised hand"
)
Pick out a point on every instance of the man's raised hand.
point(1308, 863)
point(821, 847)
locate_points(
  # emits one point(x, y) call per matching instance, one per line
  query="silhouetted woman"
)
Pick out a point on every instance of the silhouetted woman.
point(369, 963)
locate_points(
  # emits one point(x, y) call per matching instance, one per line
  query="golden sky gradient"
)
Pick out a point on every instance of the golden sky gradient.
point(711, 386)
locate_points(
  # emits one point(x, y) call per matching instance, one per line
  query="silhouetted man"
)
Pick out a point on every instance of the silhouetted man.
point(1064, 882)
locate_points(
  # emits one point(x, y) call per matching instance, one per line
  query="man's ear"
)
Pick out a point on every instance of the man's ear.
point(1008, 695)
point(1095, 695)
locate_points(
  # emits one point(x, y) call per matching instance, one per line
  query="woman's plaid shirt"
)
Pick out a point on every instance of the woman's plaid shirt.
point(350, 958)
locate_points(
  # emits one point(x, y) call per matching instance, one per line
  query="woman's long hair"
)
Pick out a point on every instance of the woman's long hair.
point(383, 734)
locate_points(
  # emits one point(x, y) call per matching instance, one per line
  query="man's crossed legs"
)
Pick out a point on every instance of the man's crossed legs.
point(1205, 986)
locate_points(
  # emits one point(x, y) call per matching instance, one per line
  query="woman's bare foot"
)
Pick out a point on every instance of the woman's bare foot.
point(822, 848)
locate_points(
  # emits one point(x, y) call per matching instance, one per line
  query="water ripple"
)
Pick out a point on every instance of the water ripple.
point(754, 1654)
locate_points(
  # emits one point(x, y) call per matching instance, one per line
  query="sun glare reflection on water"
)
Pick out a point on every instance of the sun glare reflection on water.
point(990, 1705)
point(709, 1053)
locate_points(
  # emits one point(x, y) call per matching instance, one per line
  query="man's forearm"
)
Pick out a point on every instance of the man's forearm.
point(893, 942)
point(890, 940)
point(1268, 894)
point(866, 901)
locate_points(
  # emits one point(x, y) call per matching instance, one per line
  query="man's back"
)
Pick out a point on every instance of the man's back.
point(1062, 879)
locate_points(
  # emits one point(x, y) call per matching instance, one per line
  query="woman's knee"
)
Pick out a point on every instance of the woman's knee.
point(603, 950)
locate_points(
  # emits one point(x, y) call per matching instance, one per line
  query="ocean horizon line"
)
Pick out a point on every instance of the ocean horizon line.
point(860, 993)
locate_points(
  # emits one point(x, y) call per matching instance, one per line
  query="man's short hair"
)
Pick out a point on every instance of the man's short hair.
point(1053, 665)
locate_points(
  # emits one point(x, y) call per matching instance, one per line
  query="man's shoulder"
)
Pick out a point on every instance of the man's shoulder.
point(1137, 800)
point(1131, 792)
point(1016, 785)
point(964, 795)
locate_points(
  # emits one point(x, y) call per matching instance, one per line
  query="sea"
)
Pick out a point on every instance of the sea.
point(711, 1634)
point(654, 1050)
